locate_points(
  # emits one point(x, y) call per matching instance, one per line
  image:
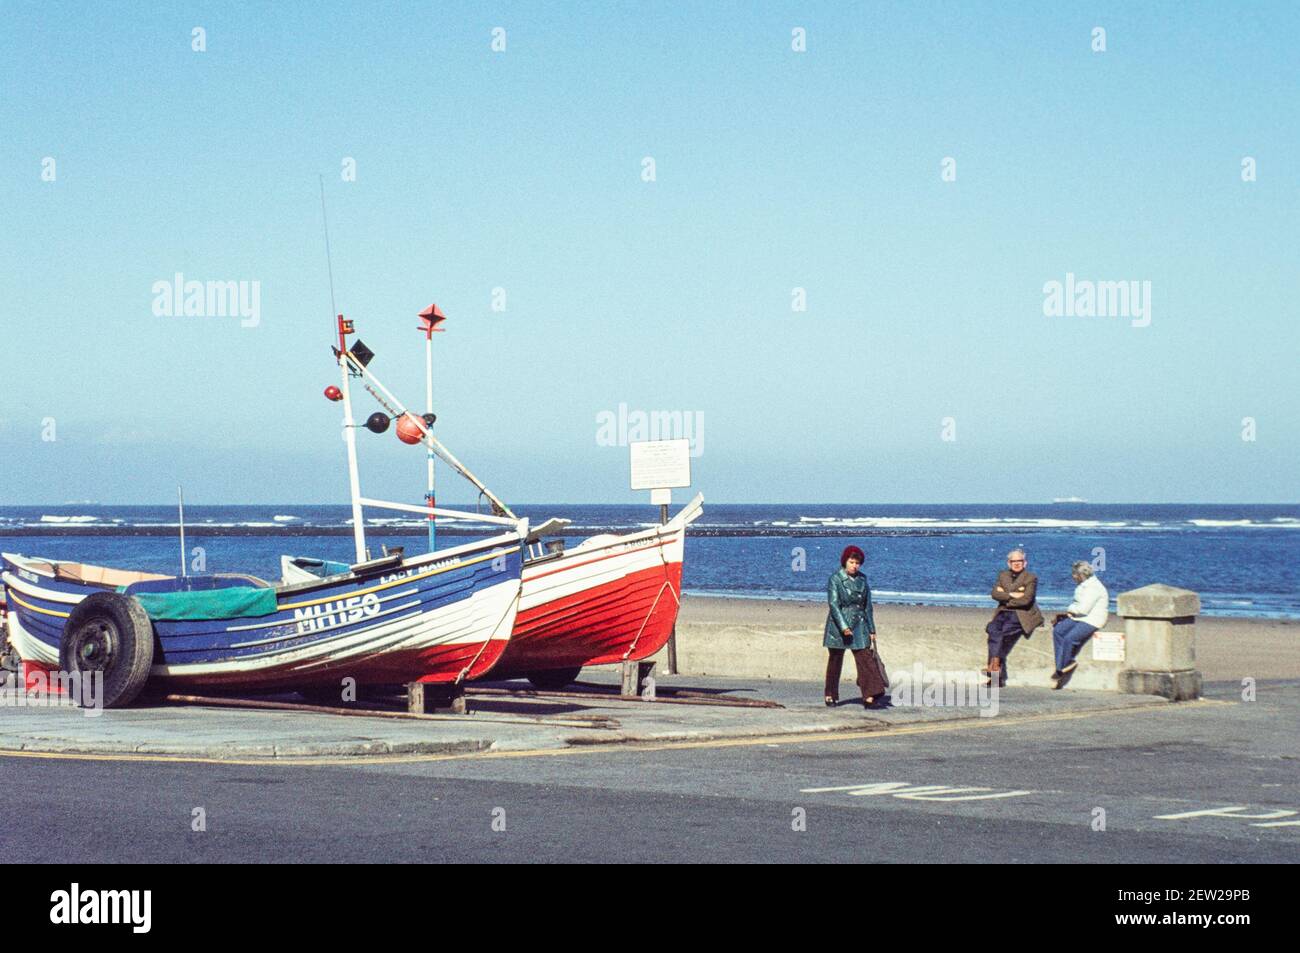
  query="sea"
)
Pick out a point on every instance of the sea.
point(1243, 559)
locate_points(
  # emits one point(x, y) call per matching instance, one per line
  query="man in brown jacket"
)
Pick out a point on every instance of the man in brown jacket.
point(1017, 613)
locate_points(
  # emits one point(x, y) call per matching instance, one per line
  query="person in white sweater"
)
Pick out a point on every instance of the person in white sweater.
point(1086, 614)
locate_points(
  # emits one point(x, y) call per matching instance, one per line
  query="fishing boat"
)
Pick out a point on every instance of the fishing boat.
point(611, 598)
point(437, 617)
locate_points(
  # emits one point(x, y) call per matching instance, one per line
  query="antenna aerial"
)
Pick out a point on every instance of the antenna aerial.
point(180, 503)
point(329, 264)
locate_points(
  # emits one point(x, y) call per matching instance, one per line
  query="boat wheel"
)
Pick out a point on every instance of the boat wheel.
point(94, 645)
point(108, 636)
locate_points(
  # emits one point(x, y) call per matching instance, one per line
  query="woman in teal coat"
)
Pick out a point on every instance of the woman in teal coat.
point(850, 624)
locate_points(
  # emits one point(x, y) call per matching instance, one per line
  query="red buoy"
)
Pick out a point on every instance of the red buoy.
point(410, 429)
point(333, 393)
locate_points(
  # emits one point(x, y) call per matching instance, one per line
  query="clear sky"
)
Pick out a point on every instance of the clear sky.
point(522, 169)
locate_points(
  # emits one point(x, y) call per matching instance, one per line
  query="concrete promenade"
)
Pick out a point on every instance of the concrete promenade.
point(499, 723)
point(765, 655)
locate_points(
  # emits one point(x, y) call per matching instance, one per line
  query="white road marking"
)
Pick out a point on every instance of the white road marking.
point(917, 792)
point(1234, 811)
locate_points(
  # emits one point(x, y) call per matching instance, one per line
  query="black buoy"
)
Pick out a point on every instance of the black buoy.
point(377, 422)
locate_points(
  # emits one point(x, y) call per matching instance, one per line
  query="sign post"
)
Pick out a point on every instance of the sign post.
point(659, 466)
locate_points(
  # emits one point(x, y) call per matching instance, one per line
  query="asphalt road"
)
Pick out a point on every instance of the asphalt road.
point(975, 791)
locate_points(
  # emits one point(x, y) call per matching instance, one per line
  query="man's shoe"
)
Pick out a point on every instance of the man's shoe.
point(1066, 674)
point(990, 672)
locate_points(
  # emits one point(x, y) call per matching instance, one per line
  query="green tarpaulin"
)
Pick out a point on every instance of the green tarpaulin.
point(235, 602)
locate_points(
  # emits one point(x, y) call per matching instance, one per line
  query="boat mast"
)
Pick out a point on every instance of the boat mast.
point(428, 406)
point(430, 318)
point(350, 437)
point(349, 430)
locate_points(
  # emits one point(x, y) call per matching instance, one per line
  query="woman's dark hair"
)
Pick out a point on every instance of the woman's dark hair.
point(852, 552)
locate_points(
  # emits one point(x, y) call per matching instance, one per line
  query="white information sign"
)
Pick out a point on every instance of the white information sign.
point(1108, 646)
point(660, 464)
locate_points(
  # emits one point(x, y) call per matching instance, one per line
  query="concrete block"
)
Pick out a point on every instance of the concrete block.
point(1160, 636)
point(1158, 601)
point(1161, 645)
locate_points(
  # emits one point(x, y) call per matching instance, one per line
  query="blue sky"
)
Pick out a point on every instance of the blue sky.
point(775, 170)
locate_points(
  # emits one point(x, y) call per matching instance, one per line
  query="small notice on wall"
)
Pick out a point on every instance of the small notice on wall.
point(1108, 647)
point(661, 464)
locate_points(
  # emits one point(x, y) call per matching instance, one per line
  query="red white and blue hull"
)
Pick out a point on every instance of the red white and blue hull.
point(439, 617)
point(610, 599)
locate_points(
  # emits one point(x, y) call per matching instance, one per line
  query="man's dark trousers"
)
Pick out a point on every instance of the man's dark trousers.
point(1004, 632)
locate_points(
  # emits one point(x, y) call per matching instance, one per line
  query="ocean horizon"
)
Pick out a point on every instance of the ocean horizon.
point(1243, 559)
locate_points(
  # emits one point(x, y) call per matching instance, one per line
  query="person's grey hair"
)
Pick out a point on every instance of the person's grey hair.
point(1014, 552)
point(1082, 570)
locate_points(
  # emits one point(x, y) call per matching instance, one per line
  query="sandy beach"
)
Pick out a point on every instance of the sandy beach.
point(1227, 649)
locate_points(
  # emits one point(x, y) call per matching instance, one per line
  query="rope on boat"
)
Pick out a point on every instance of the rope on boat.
point(667, 585)
point(646, 620)
point(482, 648)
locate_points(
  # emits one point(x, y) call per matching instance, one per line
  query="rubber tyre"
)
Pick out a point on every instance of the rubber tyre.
point(553, 679)
point(109, 632)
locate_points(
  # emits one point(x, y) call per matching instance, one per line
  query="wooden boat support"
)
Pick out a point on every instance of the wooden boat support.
point(422, 698)
point(638, 680)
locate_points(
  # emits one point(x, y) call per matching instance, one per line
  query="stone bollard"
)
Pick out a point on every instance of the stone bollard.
point(1160, 642)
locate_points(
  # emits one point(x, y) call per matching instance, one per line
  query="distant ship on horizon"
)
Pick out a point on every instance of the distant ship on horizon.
point(1069, 499)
